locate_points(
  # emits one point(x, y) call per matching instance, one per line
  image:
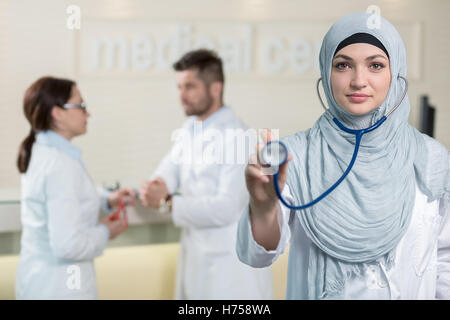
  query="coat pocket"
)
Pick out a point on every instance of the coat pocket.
point(427, 231)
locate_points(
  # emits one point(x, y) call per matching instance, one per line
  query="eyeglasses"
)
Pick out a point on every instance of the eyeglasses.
point(81, 106)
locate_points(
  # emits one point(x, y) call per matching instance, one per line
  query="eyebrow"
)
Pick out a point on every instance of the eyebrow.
point(343, 56)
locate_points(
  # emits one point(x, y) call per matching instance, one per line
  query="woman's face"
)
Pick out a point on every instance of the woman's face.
point(360, 78)
point(74, 121)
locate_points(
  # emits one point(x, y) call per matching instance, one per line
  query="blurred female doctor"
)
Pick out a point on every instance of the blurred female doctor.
point(60, 205)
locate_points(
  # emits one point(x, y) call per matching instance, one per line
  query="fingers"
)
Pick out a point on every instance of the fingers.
point(145, 186)
point(114, 216)
point(255, 159)
point(259, 148)
point(268, 135)
point(121, 223)
point(105, 220)
point(256, 172)
point(282, 170)
point(127, 196)
point(125, 220)
point(131, 199)
point(144, 193)
point(131, 196)
point(265, 136)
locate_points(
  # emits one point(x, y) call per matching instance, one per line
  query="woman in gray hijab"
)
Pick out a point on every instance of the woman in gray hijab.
point(384, 232)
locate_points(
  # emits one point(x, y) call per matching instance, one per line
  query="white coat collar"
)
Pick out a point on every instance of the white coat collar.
point(53, 139)
point(220, 115)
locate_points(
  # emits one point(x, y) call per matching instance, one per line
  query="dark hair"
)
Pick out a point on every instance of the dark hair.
point(207, 62)
point(38, 102)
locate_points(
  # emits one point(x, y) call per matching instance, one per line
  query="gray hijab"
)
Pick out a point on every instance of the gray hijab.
point(364, 218)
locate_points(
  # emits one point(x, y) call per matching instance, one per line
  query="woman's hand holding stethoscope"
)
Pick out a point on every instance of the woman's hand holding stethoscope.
point(259, 181)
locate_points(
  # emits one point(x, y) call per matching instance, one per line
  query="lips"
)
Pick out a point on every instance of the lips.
point(358, 97)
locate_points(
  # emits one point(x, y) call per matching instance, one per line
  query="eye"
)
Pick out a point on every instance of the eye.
point(377, 66)
point(342, 65)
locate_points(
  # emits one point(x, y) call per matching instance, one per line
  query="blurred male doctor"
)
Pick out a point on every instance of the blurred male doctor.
point(206, 195)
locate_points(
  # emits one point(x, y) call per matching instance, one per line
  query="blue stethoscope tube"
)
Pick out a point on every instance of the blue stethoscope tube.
point(358, 134)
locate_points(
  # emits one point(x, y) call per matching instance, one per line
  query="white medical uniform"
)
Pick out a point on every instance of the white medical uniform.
point(60, 231)
point(212, 198)
point(422, 262)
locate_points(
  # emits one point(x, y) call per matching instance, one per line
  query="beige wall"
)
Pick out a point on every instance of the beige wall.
point(134, 111)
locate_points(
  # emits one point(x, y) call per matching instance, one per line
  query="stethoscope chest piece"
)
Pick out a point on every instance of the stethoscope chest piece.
point(274, 153)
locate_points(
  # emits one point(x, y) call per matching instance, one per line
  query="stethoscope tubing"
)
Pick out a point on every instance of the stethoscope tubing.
point(358, 134)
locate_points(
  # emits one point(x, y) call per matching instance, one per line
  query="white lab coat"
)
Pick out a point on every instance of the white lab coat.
point(60, 231)
point(208, 209)
point(422, 261)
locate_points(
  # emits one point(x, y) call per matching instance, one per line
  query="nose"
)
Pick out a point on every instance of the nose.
point(359, 79)
point(182, 94)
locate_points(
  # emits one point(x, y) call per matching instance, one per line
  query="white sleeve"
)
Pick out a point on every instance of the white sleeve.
point(252, 253)
point(443, 267)
point(70, 237)
point(220, 209)
point(104, 195)
point(168, 168)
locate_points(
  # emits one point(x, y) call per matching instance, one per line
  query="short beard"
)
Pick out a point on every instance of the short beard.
point(206, 105)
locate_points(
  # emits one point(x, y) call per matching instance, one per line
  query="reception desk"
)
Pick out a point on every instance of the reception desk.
point(136, 272)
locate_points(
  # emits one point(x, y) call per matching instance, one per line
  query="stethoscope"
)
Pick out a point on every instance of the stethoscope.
point(275, 152)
